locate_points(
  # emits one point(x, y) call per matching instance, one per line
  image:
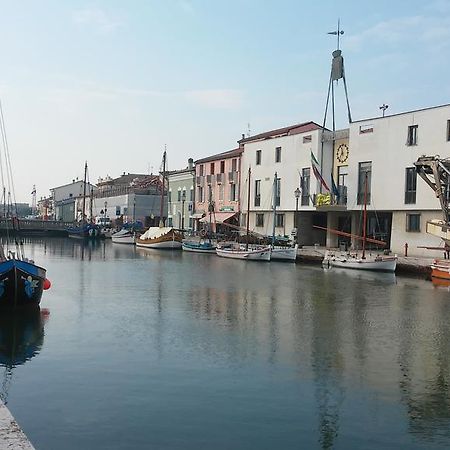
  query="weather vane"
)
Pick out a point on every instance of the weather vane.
point(337, 33)
point(384, 107)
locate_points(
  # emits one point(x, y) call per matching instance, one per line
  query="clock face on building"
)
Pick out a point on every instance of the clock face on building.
point(342, 153)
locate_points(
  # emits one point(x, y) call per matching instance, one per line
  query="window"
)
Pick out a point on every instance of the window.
point(363, 129)
point(191, 223)
point(179, 195)
point(307, 139)
point(212, 168)
point(222, 166)
point(278, 154)
point(221, 190)
point(243, 219)
point(364, 173)
point(232, 192)
point(117, 210)
point(258, 157)
point(304, 185)
point(169, 222)
point(279, 220)
point(259, 220)
point(278, 192)
point(234, 165)
point(412, 135)
point(169, 196)
point(342, 173)
point(413, 223)
point(191, 195)
point(448, 130)
point(410, 185)
point(257, 192)
point(200, 194)
point(201, 170)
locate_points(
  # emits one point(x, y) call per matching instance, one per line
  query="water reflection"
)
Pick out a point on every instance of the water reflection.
point(21, 339)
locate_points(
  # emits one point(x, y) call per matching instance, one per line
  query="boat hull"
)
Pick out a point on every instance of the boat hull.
point(122, 238)
point(199, 247)
point(169, 241)
point(284, 253)
point(440, 269)
point(21, 284)
point(379, 263)
point(248, 255)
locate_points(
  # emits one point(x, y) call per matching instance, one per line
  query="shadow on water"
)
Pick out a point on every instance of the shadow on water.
point(21, 339)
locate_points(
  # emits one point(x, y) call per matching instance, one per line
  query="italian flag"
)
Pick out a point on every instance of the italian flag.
point(316, 169)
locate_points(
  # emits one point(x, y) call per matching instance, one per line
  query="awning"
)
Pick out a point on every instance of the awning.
point(197, 215)
point(219, 217)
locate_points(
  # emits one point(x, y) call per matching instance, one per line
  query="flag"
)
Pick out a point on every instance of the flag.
point(334, 187)
point(33, 191)
point(316, 170)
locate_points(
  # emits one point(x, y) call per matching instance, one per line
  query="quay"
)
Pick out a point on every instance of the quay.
point(11, 435)
point(36, 227)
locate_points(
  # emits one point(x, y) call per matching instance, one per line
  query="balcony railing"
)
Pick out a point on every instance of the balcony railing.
point(232, 177)
point(219, 178)
point(199, 180)
point(209, 180)
point(329, 200)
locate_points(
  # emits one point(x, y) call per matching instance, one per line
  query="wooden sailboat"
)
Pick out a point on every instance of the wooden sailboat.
point(161, 237)
point(244, 251)
point(203, 246)
point(280, 252)
point(85, 229)
point(360, 260)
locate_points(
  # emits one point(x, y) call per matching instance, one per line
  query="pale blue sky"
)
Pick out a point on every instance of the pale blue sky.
point(113, 81)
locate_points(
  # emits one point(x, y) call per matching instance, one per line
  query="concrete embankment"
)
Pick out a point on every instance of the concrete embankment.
point(11, 435)
point(409, 264)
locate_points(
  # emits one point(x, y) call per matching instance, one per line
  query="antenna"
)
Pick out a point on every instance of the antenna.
point(248, 130)
point(33, 200)
point(337, 33)
point(384, 107)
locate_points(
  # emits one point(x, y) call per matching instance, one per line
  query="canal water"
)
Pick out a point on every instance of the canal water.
point(137, 348)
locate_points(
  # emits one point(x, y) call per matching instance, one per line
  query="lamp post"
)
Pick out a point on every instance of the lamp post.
point(183, 199)
point(297, 196)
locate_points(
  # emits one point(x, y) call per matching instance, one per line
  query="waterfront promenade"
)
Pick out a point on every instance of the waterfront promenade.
point(11, 435)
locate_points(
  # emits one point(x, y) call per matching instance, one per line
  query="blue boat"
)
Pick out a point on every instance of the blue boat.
point(199, 247)
point(85, 231)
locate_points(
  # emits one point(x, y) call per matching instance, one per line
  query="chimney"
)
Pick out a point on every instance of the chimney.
point(243, 136)
point(190, 163)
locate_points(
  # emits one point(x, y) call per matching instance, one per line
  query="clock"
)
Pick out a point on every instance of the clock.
point(342, 153)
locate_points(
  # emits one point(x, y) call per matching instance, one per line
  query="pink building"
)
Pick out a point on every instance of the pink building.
point(217, 180)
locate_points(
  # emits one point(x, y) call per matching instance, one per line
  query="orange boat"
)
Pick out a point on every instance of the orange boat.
point(440, 269)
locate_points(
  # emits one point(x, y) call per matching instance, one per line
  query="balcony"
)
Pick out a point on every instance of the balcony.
point(199, 181)
point(209, 180)
point(219, 178)
point(331, 202)
point(232, 177)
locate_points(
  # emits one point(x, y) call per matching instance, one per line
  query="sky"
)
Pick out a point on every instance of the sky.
point(113, 82)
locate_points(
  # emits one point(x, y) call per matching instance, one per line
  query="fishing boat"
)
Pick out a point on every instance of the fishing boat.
point(161, 237)
point(203, 246)
point(245, 251)
point(440, 269)
point(85, 229)
point(360, 260)
point(124, 236)
point(21, 280)
point(280, 252)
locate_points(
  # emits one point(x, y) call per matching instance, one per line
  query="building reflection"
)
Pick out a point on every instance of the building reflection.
point(21, 339)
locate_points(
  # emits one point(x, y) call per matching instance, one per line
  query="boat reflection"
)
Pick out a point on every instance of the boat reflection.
point(365, 275)
point(21, 339)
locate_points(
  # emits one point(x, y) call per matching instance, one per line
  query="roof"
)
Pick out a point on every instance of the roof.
point(180, 171)
point(224, 155)
point(72, 183)
point(401, 113)
point(285, 131)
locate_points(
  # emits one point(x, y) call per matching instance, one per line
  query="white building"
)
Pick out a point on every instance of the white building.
point(286, 152)
point(400, 202)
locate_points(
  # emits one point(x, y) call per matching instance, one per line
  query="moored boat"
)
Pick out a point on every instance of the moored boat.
point(282, 253)
point(124, 236)
point(239, 251)
point(440, 269)
point(356, 261)
point(160, 237)
point(199, 247)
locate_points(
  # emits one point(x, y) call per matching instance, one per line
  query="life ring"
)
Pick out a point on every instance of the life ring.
point(203, 233)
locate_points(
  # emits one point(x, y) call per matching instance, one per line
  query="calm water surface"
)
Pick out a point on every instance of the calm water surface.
point(136, 348)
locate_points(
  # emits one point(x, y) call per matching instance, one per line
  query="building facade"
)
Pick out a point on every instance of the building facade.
point(217, 183)
point(287, 153)
point(181, 197)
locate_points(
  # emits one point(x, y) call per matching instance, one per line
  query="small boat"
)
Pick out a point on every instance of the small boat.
point(240, 251)
point(350, 260)
point(199, 247)
point(124, 236)
point(160, 237)
point(281, 253)
point(245, 251)
point(440, 269)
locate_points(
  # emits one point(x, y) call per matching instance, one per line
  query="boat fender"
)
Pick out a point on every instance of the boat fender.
point(47, 284)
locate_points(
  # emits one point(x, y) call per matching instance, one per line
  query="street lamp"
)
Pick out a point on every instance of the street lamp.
point(297, 196)
point(183, 199)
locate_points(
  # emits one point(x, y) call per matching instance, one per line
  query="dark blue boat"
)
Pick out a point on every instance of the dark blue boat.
point(85, 231)
point(21, 283)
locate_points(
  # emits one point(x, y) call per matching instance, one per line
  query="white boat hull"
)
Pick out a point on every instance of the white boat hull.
point(284, 253)
point(249, 255)
point(123, 239)
point(170, 245)
point(377, 263)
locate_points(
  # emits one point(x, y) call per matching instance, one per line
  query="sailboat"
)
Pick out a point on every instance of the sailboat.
point(279, 252)
point(244, 251)
point(161, 237)
point(21, 280)
point(203, 246)
point(85, 230)
point(360, 260)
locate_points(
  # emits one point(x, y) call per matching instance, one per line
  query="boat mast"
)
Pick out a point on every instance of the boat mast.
point(211, 209)
point(90, 205)
point(364, 218)
point(84, 194)
point(274, 206)
point(248, 208)
point(161, 210)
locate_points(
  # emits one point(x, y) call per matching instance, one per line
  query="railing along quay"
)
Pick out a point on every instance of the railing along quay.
point(26, 226)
